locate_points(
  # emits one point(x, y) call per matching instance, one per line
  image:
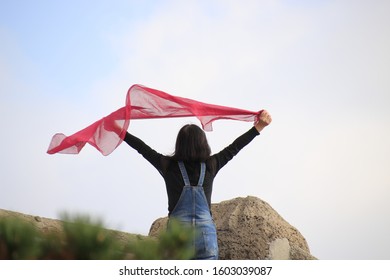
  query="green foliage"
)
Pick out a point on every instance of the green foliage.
point(172, 244)
point(18, 240)
point(82, 238)
point(85, 239)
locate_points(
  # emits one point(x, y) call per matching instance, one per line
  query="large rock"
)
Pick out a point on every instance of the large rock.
point(249, 228)
point(46, 225)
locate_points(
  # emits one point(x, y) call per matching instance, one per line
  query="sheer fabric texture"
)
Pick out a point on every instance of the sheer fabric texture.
point(142, 102)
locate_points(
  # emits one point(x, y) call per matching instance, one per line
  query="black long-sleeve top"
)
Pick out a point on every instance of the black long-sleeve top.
point(170, 171)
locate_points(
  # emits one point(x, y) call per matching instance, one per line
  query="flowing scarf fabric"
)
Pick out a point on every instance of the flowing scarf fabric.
point(143, 103)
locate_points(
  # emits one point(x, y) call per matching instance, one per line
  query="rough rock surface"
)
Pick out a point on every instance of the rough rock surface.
point(249, 228)
point(46, 225)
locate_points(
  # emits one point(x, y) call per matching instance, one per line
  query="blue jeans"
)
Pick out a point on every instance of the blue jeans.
point(193, 210)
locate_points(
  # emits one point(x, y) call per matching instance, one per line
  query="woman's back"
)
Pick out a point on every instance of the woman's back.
point(168, 167)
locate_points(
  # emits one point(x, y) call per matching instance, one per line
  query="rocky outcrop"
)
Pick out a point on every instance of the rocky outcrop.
point(46, 225)
point(42, 224)
point(249, 228)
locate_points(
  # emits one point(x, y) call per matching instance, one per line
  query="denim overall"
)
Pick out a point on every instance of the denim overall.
point(192, 209)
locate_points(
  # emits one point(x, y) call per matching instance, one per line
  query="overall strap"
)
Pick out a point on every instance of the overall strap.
point(185, 174)
point(202, 174)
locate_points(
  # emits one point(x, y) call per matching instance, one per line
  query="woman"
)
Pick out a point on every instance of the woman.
point(189, 175)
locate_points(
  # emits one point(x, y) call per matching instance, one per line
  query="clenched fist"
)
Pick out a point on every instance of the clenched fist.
point(264, 120)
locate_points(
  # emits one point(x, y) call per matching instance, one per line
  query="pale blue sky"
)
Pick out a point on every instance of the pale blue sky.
point(320, 67)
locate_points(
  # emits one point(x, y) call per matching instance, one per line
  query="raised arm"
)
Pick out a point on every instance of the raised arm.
point(220, 159)
point(137, 144)
point(147, 152)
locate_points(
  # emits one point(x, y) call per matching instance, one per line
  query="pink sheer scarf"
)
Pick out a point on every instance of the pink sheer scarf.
point(143, 103)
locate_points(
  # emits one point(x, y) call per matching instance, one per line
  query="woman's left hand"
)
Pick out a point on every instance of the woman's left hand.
point(264, 120)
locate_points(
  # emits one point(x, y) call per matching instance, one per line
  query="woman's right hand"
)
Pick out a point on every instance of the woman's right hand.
point(264, 120)
point(112, 126)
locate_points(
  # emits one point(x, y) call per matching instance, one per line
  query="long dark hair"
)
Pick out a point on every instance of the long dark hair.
point(191, 144)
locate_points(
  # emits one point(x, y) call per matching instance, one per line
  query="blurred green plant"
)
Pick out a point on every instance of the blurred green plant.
point(82, 238)
point(173, 244)
point(85, 239)
point(19, 240)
